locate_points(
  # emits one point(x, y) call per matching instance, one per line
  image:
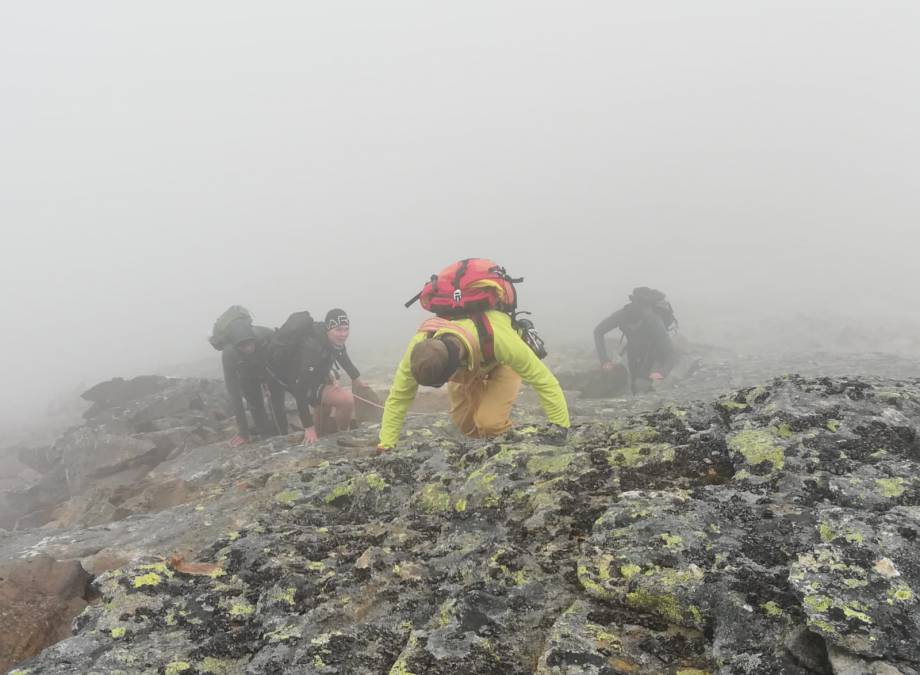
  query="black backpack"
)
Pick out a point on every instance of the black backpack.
point(286, 343)
point(658, 302)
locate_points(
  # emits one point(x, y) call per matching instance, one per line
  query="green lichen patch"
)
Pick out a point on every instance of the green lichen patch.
point(673, 542)
point(214, 666)
point(731, 406)
point(238, 608)
point(375, 482)
point(758, 446)
point(160, 568)
point(857, 612)
point(783, 430)
point(288, 497)
point(844, 594)
point(818, 603)
point(900, 594)
point(285, 633)
point(445, 612)
point(632, 435)
point(339, 492)
point(550, 462)
point(829, 534)
point(283, 595)
point(480, 487)
point(588, 582)
point(149, 579)
point(434, 498)
point(629, 571)
point(641, 455)
point(667, 606)
point(890, 487)
point(401, 666)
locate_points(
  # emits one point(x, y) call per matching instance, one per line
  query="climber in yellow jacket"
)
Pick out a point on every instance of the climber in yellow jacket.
point(481, 390)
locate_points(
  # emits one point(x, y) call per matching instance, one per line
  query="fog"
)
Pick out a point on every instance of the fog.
point(162, 161)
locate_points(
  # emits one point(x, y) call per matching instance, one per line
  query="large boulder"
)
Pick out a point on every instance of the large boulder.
point(773, 530)
point(39, 597)
point(87, 453)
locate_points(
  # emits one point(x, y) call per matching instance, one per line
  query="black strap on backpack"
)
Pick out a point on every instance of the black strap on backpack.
point(486, 337)
point(458, 276)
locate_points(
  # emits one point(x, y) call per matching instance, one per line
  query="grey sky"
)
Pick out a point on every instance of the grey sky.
point(164, 160)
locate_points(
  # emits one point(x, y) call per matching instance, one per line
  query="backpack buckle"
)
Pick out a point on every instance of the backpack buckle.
point(458, 295)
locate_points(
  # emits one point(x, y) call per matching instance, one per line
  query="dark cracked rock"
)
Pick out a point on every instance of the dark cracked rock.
point(774, 530)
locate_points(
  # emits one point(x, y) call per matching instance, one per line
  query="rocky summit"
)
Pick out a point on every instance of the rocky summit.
point(772, 530)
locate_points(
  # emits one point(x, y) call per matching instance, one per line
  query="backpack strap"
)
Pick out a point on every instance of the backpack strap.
point(486, 337)
point(458, 278)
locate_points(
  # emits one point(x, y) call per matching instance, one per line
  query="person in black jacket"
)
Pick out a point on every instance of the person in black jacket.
point(644, 323)
point(244, 362)
point(310, 372)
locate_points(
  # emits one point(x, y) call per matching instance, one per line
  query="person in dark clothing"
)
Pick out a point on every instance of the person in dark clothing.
point(311, 374)
point(244, 363)
point(644, 323)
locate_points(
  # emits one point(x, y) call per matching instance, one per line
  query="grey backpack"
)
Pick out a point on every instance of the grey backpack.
point(220, 334)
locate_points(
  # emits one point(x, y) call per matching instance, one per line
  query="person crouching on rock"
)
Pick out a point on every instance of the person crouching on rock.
point(481, 389)
point(644, 322)
point(244, 366)
point(316, 384)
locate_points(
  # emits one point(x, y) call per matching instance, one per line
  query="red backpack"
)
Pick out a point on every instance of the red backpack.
point(468, 287)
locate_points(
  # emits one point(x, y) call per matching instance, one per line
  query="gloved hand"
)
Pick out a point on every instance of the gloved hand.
point(309, 436)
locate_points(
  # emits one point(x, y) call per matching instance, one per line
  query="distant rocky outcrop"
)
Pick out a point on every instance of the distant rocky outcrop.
point(773, 530)
point(133, 426)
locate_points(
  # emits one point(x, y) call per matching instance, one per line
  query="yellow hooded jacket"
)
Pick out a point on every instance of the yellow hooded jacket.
point(510, 350)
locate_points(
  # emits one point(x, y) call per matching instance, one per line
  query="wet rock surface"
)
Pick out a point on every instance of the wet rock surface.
point(772, 530)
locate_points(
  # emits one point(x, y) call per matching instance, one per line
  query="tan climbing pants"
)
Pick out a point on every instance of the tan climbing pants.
point(480, 405)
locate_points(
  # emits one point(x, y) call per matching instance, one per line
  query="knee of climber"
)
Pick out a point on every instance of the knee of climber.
point(490, 422)
point(346, 401)
point(337, 397)
point(463, 421)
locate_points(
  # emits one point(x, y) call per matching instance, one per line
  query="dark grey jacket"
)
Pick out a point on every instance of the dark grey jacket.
point(239, 367)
